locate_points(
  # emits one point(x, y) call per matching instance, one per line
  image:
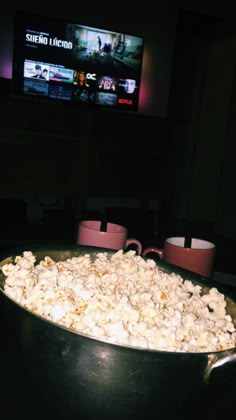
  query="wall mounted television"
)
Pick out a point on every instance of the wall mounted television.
point(72, 62)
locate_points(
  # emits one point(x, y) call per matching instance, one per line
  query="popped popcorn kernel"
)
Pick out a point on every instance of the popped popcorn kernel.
point(124, 299)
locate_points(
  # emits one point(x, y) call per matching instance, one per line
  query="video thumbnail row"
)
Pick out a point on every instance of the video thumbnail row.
point(58, 82)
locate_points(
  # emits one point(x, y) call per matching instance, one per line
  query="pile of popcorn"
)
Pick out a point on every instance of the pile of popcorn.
point(122, 298)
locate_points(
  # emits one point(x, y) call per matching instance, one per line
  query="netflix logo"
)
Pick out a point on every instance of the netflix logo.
point(124, 101)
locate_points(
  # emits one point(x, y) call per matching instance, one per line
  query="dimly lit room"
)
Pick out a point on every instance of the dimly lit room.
point(118, 140)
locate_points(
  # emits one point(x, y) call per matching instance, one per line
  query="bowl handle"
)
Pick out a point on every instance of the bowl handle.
point(216, 360)
point(135, 242)
point(157, 251)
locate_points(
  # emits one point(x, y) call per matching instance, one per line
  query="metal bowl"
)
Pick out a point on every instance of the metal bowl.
point(80, 376)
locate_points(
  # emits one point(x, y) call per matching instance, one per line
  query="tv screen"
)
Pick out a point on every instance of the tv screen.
point(69, 61)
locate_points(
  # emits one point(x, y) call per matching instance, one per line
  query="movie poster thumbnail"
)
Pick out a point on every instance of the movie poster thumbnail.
point(61, 92)
point(106, 99)
point(107, 83)
point(61, 74)
point(35, 87)
point(36, 70)
point(128, 86)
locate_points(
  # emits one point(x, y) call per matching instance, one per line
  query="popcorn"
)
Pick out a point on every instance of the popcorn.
point(122, 298)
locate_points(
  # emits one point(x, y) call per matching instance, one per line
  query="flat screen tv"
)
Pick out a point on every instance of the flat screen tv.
point(69, 61)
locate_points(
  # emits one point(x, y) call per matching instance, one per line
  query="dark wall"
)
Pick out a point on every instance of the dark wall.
point(72, 149)
point(202, 100)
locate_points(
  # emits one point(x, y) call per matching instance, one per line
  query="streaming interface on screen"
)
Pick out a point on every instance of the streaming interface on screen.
point(72, 62)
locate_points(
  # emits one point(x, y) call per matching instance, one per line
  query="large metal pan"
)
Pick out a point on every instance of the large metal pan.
point(82, 377)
